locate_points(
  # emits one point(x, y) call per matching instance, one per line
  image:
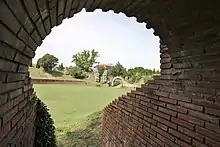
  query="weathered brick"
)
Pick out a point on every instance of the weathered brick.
point(180, 98)
point(10, 39)
point(160, 114)
point(182, 123)
point(161, 93)
point(167, 111)
point(22, 59)
point(212, 111)
point(212, 127)
point(4, 130)
point(14, 93)
point(212, 142)
point(191, 106)
point(168, 100)
point(29, 52)
point(167, 141)
point(165, 60)
point(182, 65)
point(180, 135)
point(163, 133)
point(197, 143)
point(6, 51)
point(10, 114)
point(18, 99)
point(6, 65)
point(3, 76)
point(159, 125)
point(14, 77)
point(177, 108)
point(182, 143)
point(191, 133)
point(10, 86)
point(3, 99)
point(204, 116)
point(159, 103)
point(22, 104)
point(166, 66)
point(208, 133)
point(27, 38)
point(165, 55)
point(204, 102)
point(165, 122)
point(10, 20)
point(23, 69)
point(191, 119)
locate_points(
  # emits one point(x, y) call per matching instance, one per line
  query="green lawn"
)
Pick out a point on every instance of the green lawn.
point(76, 106)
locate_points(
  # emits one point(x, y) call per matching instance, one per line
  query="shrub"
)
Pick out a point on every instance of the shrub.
point(45, 130)
point(78, 73)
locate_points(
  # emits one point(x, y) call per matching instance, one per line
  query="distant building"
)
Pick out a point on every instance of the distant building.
point(95, 68)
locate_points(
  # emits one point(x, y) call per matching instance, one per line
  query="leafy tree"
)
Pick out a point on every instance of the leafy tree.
point(47, 62)
point(85, 59)
point(138, 74)
point(60, 67)
point(77, 72)
point(101, 70)
point(38, 63)
point(117, 70)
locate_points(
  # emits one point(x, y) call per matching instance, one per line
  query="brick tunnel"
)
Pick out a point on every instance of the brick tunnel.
point(181, 107)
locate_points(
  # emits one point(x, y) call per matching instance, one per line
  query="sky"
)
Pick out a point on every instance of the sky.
point(115, 36)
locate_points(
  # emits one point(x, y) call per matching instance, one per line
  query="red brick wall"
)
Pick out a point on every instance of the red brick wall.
point(180, 107)
point(161, 113)
point(18, 116)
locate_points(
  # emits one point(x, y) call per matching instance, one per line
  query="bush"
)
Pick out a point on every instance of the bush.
point(45, 130)
point(78, 73)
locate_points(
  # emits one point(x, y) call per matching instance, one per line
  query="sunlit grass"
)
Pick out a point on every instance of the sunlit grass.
point(76, 110)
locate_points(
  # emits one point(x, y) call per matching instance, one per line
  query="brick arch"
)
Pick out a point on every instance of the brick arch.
point(179, 108)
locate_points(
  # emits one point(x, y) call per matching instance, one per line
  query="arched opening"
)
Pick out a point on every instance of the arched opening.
point(178, 108)
point(114, 37)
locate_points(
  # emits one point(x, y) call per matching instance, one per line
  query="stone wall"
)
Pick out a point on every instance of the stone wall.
point(179, 108)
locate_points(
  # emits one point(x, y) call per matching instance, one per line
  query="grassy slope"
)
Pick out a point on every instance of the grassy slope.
point(70, 106)
point(39, 73)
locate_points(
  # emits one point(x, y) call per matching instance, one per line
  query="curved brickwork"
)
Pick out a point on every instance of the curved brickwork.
point(179, 108)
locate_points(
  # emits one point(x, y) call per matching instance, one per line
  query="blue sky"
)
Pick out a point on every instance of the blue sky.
point(115, 36)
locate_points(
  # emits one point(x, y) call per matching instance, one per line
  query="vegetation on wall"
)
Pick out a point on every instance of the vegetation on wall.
point(45, 130)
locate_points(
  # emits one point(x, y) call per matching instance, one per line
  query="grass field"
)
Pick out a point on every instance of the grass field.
point(76, 110)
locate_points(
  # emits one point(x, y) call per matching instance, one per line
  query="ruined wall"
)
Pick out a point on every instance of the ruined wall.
point(57, 81)
point(169, 111)
point(180, 107)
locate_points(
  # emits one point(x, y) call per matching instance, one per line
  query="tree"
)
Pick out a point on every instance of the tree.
point(117, 70)
point(85, 60)
point(38, 63)
point(60, 67)
point(77, 72)
point(47, 62)
point(101, 70)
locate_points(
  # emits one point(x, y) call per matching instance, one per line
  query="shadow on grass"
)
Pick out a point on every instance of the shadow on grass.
point(85, 135)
